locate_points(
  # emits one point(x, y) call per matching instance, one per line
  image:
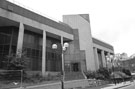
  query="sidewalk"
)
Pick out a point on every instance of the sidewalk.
point(111, 86)
point(120, 85)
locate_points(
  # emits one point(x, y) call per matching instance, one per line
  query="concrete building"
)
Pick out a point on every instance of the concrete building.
point(21, 29)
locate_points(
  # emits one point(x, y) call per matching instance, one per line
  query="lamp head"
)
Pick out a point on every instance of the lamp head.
point(54, 46)
point(66, 45)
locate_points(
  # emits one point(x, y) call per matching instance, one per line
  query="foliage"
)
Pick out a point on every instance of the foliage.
point(104, 72)
point(90, 74)
point(126, 71)
point(38, 78)
point(13, 62)
point(101, 73)
point(15, 66)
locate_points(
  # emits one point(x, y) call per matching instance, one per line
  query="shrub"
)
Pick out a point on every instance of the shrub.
point(14, 65)
point(99, 76)
point(104, 72)
point(126, 71)
point(101, 73)
point(38, 78)
point(90, 74)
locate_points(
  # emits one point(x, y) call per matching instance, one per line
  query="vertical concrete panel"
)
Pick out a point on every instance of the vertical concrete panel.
point(96, 58)
point(20, 39)
point(103, 58)
point(44, 54)
point(71, 48)
point(85, 37)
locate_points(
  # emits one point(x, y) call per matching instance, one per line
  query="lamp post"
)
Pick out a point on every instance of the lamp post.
point(110, 59)
point(63, 48)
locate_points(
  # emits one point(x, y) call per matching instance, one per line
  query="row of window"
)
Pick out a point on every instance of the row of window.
point(4, 50)
point(33, 47)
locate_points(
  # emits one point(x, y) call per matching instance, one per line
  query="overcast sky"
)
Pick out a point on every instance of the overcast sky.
point(112, 21)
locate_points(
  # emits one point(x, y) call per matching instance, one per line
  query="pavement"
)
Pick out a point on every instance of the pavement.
point(117, 86)
point(107, 86)
point(112, 86)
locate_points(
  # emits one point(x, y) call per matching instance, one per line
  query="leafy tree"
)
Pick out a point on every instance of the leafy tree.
point(16, 65)
point(16, 62)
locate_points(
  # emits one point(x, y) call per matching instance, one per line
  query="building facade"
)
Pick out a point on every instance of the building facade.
point(22, 29)
point(128, 64)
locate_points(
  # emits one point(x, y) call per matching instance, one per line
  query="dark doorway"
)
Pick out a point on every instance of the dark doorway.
point(75, 67)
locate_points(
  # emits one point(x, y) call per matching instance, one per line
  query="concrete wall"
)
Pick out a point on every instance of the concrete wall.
point(67, 85)
point(101, 43)
point(33, 15)
point(103, 47)
point(32, 23)
point(74, 54)
point(85, 38)
point(76, 84)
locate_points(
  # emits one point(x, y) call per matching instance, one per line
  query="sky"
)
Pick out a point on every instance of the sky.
point(112, 21)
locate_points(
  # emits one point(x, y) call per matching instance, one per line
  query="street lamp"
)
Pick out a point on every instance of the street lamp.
point(110, 59)
point(63, 48)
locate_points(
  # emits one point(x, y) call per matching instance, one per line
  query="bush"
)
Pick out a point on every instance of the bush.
point(14, 66)
point(126, 71)
point(90, 74)
point(102, 73)
point(38, 78)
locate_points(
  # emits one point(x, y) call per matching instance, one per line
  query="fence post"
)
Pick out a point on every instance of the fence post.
point(21, 78)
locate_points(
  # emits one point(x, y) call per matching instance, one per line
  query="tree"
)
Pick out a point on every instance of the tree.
point(14, 62)
point(16, 66)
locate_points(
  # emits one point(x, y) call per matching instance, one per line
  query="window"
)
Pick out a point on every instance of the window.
point(75, 67)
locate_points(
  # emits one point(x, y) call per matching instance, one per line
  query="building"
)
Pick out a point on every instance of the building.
point(128, 64)
point(21, 28)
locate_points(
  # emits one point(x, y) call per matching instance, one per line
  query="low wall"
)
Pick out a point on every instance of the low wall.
point(75, 84)
point(67, 85)
point(45, 86)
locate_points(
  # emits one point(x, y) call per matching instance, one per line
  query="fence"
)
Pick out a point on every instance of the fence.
point(18, 78)
point(11, 78)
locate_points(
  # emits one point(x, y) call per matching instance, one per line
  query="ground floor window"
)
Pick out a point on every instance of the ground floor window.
point(75, 67)
point(32, 46)
point(7, 44)
point(53, 61)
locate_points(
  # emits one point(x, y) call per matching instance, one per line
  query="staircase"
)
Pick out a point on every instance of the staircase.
point(74, 76)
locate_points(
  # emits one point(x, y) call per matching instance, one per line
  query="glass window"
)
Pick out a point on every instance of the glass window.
point(48, 43)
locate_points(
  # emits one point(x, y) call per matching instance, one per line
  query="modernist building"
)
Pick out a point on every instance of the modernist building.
point(21, 28)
